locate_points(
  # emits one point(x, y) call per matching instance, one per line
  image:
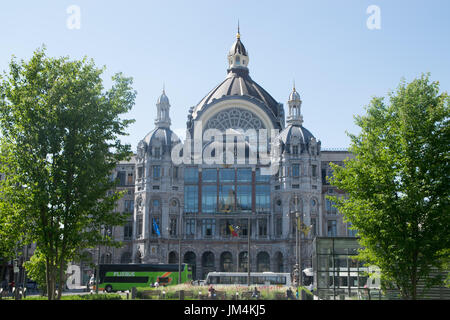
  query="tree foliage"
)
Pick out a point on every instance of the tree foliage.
point(398, 184)
point(60, 141)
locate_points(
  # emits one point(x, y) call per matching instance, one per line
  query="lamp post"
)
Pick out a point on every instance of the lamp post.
point(180, 235)
point(298, 252)
point(248, 252)
point(104, 232)
point(98, 271)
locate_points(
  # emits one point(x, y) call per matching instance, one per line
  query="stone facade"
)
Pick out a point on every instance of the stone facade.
point(187, 209)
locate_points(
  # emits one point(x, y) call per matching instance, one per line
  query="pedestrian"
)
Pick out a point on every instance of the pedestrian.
point(289, 294)
point(212, 292)
point(255, 293)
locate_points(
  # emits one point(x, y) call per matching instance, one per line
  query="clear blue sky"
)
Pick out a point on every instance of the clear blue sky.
point(338, 63)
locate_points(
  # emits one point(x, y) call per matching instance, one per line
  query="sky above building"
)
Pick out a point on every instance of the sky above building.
point(340, 53)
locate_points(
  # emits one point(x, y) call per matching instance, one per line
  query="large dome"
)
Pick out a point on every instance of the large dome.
point(163, 137)
point(294, 132)
point(239, 84)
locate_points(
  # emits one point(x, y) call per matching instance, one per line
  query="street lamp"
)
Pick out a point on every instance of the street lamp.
point(248, 251)
point(298, 255)
point(104, 232)
point(299, 251)
point(180, 235)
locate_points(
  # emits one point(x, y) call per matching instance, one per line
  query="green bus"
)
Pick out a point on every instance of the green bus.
point(122, 277)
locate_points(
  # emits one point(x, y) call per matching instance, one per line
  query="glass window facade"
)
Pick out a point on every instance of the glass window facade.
point(208, 228)
point(337, 273)
point(226, 198)
point(226, 175)
point(209, 198)
point(128, 230)
point(244, 175)
point(262, 198)
point(209, 175)
point(244, 198)
point(190, 227)
point(261, 177)
point(156, 172)
point(295, 170)
point(226, 190)
point(191, 175)
point(190, 199)
point(329, 207)
point(332, 228)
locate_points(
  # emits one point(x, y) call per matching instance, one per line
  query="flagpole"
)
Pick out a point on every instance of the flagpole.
point(248, 252)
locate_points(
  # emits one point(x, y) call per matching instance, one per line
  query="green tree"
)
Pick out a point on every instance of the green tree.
point(398, 184)
point(36, 270)
point(60, 141)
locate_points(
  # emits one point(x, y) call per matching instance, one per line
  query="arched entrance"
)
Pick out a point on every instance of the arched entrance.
point(243, 261)
point(191, 259)
point(207, 263)
point(262, 262)
point(226, 262)
point(173, 257)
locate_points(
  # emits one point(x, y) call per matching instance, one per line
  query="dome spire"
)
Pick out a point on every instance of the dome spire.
point(238, 35)
point(295, 117)
point(162, 109)
point(238, 56)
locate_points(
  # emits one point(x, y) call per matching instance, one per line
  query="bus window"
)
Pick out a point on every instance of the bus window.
point(125, 279)
point(214, 280)
point(163, 280)
point(225, 280)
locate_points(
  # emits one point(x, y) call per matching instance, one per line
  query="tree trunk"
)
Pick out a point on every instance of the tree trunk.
point(61, 278)
point(47, 276)
point(4, 265)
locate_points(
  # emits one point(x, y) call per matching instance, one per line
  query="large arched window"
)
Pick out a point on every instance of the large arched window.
point(191, 259)
point(207, 263)
point(173, 257)
point(262, 262)
point(226, 262)
point(243, 261)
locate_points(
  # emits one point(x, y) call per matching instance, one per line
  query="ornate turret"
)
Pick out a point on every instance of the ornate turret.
point(162, 118)
point(294, 117)
point(238, 56)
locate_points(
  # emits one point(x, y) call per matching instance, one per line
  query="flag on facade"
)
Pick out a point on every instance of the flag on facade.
point(233, 230)
point(155, 226)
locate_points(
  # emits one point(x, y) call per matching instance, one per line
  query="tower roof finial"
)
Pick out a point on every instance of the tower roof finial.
point(238, 35)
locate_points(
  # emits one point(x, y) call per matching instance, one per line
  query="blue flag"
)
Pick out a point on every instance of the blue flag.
point(155, 226)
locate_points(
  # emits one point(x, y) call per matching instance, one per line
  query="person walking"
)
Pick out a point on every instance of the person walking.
point(289, 294)
point(255, 293)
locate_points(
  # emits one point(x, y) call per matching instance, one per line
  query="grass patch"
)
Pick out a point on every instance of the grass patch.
point(266, 292)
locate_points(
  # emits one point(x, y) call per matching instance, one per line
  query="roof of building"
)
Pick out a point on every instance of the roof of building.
point(291, 131)
point(238, 84)
point(166, 136)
